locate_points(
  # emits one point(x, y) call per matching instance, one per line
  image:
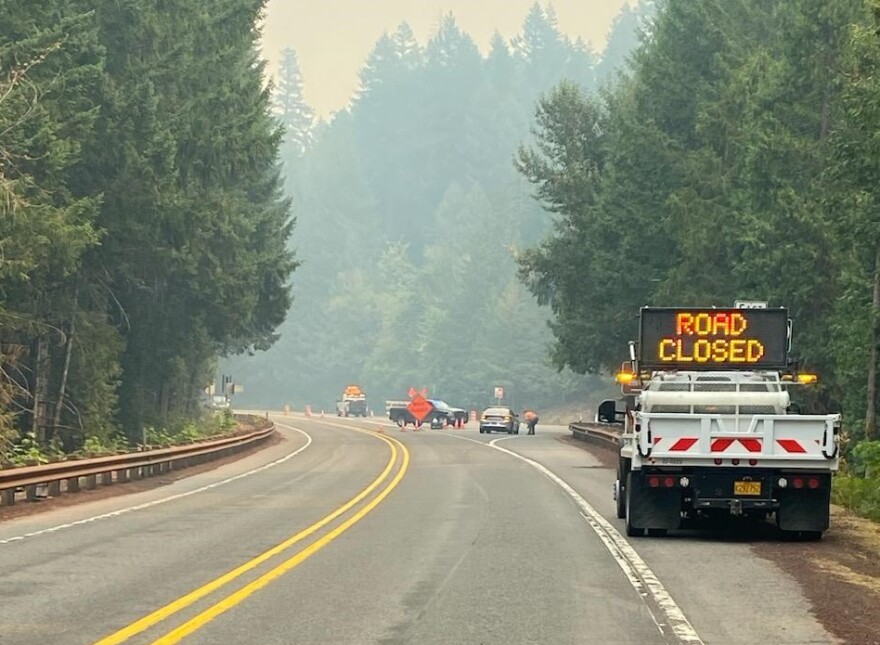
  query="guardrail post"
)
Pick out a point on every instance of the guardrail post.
point(31, 492)
point(9, 497)
point(106, 479)
point(122, 476)
point(55, 488)
point(73, 485)
point(91, 482)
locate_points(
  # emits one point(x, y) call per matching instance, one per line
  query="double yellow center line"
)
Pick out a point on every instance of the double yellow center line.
point(209, 614)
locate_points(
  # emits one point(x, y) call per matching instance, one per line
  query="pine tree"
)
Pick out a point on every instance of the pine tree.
point(294, 113)
point(408, 50)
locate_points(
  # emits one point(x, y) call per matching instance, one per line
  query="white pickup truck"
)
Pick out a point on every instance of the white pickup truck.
point(705, 443)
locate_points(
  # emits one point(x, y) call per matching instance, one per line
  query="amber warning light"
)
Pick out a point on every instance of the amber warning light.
point(714, 338)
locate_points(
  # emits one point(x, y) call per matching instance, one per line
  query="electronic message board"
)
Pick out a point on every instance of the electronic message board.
point(719, 339)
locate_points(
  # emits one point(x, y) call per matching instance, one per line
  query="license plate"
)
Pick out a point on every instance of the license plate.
point(746, 488)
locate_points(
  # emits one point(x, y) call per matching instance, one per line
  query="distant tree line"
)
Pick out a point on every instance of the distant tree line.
point(143, 229)
point(410, 217)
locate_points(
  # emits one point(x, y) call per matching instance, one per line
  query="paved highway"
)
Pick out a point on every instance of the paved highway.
point(339, 534)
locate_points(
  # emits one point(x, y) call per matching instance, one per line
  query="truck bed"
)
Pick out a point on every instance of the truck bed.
point(761, 440)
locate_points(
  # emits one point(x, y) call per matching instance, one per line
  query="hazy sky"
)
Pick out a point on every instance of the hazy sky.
point(333, 37)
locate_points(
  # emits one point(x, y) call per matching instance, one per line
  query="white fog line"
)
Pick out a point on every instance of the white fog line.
point(164, 500)
point(636, 570)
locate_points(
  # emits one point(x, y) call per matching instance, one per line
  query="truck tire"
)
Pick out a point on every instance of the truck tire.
point(621, 500)
point(631, 530)
point(622, 472)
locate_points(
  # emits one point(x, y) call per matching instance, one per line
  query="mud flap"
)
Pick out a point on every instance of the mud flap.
point(804, 510)
point(653, 508)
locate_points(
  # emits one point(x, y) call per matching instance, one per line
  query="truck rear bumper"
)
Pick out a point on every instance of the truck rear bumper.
point(800, 499)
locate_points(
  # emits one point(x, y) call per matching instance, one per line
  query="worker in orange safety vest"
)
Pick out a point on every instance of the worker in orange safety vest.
point(531, 418)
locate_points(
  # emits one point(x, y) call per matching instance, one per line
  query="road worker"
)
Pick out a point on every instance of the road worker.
point(531, 418)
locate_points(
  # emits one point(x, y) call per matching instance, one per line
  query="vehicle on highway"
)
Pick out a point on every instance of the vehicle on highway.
point(353, 402)
point(441, 414)
point(710, 429)
point(452, 416)
point(499, 419)
point(398, 412)
point(219, 402)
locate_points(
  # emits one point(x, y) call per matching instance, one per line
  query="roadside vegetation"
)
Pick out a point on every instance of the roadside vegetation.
point(857, 486)
point(28, 452)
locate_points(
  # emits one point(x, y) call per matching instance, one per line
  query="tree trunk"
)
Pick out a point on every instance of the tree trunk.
point(62, 388)
point(41, 386)
point(871, 413)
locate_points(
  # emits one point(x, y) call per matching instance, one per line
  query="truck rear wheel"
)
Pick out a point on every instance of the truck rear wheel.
point(621, 500)
point(631, 530)
point(621, 488)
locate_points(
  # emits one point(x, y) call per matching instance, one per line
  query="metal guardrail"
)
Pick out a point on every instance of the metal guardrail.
point(600, 434)
point(120, 468)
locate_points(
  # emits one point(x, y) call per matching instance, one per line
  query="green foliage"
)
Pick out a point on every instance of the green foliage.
point(27, 452)
point(866, 459)
point(226, 422)
point(860, 495)
point(96, 445)
point(143, 232)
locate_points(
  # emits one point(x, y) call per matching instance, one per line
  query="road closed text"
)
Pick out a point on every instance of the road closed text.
point(713, 338)
point(710, 337)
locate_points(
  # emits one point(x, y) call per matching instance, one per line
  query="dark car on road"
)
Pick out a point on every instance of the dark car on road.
point(451, 415)
point(499, 419)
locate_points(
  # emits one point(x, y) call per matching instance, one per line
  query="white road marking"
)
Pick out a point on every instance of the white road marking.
point(130, 509)
point(636, 570)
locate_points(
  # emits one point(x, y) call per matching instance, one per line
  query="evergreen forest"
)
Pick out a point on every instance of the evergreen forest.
point(143, 225)
point(473, 218)
point(411, 216)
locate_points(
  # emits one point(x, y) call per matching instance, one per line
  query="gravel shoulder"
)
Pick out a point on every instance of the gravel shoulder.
point(839, 575)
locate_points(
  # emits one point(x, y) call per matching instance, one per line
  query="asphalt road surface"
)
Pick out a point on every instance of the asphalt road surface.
point(342, 534)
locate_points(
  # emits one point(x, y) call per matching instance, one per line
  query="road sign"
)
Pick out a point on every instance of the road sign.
point(750, 304)
point(499, 392)
point(412, 392)
point(419, 407)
